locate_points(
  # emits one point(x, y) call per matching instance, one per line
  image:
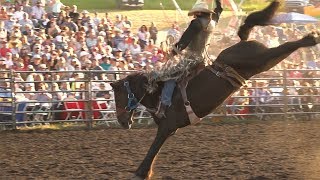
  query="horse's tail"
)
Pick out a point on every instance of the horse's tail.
point(260, 18)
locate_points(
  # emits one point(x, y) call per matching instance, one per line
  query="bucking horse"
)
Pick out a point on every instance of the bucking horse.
point(209, 88)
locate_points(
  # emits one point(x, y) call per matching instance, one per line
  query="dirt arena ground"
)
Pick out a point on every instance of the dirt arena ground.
point(259, 151)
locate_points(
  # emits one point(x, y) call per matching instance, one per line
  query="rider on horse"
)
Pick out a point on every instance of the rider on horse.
point(195, 40)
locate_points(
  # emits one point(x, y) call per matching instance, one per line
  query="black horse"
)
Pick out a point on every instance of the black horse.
point(206, 91)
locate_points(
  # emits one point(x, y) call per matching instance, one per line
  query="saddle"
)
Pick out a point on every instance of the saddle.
point(220, 70)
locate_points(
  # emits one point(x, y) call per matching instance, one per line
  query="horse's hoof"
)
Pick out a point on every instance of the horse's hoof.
point(136, 178)
point(311, 39)
point(316, 36)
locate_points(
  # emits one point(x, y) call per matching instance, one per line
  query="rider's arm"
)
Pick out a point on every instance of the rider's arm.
point(217, 11)
point(193, 29)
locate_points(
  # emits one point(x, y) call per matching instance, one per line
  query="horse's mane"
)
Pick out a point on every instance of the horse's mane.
point(131, 76)
point(136, 79)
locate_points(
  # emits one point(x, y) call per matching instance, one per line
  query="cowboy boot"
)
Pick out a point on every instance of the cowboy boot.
point(161, 111)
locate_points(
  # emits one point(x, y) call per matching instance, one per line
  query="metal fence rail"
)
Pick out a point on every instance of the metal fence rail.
point(17, 111)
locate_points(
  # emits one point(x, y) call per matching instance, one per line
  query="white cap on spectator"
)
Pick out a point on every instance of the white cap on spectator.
point(83, 53)
point(59, 38)
point(16, 25)
point(43, 66)
point(102, 33)
point(131, 65)
point(143, 64)
point(116, 50)
point(127, 26)
point(30, 67)
point(87, 61)
point(108, 87)
point(36, 56)
point(85, 12)
point(98, 56)
point(117, 30)
point(147, 52)
point(74, 60)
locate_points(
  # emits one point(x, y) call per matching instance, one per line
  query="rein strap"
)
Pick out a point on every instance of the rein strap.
point(132, 100)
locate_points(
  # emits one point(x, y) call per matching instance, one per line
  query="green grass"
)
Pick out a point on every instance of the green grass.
point(111, 4)
point(91, 4)
point(100, 5)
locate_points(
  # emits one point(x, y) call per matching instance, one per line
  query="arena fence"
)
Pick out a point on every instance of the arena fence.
point(290, 94)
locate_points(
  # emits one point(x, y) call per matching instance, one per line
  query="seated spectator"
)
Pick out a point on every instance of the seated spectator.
point(173, 33)
point(8, 60)
point(56, 7)
point(19, 14)
point(135, 47)
point(73, 13)
point(26, 7)
point(276, 89)
point(85, 17)
point(53, 29)
point(105, 64)
point(57, 95)
point(261, 93)
point(96, 19)
point(43, 96)
point(37, 13)
point(15, 45)
point(70, 97)
point(3, 14)
point(87, 65)
point(25, 21)
point(4, 48)
point(124, 44)
point(240, 102)
point(113, 67)
point(126, 30)
point(36, 61)
point(155, 55)
point(91, 40)
point(150, 46)
point(104, 91)
point(119, 23)
point(27, 91)
point(127, 21)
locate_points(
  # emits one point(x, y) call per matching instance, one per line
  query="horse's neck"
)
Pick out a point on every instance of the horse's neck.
point(151, 100)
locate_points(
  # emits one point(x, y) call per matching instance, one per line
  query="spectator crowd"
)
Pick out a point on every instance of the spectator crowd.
point(48, 41)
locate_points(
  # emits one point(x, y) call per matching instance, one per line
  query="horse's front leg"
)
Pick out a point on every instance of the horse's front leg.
point(145, 169)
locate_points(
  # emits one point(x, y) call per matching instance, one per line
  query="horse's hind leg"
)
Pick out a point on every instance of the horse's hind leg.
point(145, 169)
point(273, 56)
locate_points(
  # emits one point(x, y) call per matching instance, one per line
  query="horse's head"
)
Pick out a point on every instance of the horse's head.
point(128, 93)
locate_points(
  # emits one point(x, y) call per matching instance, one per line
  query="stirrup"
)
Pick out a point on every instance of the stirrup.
point(161, 111)
point(155, 110)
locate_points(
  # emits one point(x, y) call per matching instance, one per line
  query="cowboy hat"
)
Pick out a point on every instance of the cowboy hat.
point(200, 6)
